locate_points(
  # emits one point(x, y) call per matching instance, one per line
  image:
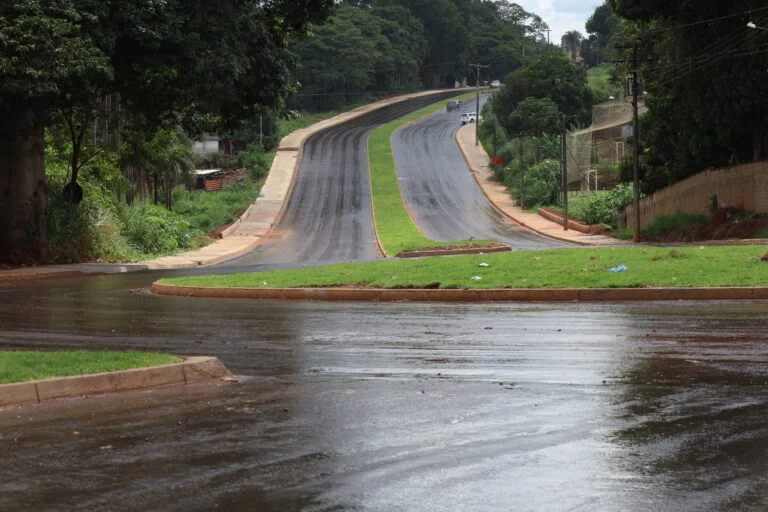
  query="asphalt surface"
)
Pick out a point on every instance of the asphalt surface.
point(442, 195)
point(328, 217)
point(391, 407)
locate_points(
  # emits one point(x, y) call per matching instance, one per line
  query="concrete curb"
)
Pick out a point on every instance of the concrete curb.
point(11, 276)
point(193, 369)
point(457, 252)
point(469, 295)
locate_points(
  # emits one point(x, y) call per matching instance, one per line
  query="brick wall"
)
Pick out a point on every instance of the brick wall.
point(743, 186)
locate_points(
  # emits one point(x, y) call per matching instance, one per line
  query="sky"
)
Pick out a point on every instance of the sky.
point(562, 15)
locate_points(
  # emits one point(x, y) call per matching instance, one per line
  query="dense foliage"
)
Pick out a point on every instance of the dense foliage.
point(552, 76)
point(155, 61)
point(379, 47)
point(704, 72)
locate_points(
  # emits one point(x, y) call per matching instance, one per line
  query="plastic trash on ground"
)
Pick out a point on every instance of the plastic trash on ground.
point(476, 278)
point(483, 264)
point(620, 268)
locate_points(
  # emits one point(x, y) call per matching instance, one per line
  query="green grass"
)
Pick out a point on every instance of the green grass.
point(568, 268)
point(209, 210)
point(394, 226)
point(599, 81)
point(23, 365)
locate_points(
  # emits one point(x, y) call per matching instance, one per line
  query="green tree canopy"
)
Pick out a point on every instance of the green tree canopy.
point(704, 74)
point(164, 58)
point(552, 76)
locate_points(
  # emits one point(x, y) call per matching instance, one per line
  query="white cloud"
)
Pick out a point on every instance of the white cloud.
point(562, 15)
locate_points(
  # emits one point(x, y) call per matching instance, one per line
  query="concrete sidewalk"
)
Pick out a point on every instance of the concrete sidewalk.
point(478, 161)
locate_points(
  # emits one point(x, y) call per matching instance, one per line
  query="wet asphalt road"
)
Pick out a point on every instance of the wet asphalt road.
point(328, 217)
point(392, 407)
point(441, 193)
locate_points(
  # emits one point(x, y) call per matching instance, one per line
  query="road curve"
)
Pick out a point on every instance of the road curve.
point(328, 217)
point(442, 195)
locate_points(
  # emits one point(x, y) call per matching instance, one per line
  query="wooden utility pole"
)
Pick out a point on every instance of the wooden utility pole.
point(477, 104)
point(565, 175)
point(634, 92)
point(636, 150)
point(522, 174)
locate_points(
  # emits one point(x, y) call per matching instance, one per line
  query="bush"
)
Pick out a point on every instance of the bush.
point(255, 161)
point(602, 208)
point(542, 183)
point(155, 230)
point(209, 210)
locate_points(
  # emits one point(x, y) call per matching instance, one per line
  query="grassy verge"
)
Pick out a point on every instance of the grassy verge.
point(23, 365)
point(394, 226)
point(209, 210)
point(570, 268)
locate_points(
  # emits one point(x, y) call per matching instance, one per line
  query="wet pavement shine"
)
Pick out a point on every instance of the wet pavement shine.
point(396, 406)
point(440, 191)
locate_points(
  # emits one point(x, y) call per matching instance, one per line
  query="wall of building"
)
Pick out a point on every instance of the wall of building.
point(744, 187)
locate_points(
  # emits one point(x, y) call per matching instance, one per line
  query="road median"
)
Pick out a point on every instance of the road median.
point(191, 370)
point(468, 295)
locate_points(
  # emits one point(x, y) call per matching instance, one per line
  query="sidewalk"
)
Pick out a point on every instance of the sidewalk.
point(478, 161)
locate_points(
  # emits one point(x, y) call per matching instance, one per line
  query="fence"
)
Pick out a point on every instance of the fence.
point(744, 187)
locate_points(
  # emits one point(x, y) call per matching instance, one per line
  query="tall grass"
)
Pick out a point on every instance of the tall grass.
point(209, 210)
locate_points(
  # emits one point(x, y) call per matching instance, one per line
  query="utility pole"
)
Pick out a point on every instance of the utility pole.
point(635, 84)
point(547, 30)
point(634, 91)
point(495, 129)
point(477, 67)
point(565, 175)
point(522, 174)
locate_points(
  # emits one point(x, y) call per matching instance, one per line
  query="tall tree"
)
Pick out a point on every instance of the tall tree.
point(571, 42)
point(162, 57)
point(705, 82)
point(551, 76)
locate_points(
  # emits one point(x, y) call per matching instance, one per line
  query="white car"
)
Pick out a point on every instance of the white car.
point(468, 117)
point(496, 83)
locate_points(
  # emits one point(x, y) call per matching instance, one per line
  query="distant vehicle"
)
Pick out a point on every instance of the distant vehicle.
point(468, 117)
point(453, 105)
point(496, 83)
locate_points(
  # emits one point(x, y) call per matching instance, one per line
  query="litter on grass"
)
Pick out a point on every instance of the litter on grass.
point(483, 265)
point(620, 268)
point(476, 278)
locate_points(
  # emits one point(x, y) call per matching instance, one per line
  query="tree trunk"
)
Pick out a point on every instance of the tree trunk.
point(23, 198)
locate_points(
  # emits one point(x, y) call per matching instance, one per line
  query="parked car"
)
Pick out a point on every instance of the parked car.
point(468, 117)
point(496, 83)
point(453, 105)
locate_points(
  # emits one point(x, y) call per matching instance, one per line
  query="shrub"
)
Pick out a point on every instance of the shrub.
point(255, 161)
point(155, 230)
point(209, 210)
point(542, 183)
point(602, 208)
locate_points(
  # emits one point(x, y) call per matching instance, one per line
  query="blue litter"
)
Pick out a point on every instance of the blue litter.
point(620, 268)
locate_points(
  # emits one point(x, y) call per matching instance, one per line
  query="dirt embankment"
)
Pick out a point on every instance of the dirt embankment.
point(725, 224)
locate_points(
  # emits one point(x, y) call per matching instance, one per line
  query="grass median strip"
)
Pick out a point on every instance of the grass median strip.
point(704, 266)
point(394, 226)
point(21, 366)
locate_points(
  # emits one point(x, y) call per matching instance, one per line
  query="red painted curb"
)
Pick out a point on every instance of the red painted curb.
point(468, 295)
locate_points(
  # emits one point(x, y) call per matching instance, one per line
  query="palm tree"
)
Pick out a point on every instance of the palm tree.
point(571, 42)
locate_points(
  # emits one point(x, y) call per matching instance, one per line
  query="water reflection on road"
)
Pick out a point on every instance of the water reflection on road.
point(389, 407)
